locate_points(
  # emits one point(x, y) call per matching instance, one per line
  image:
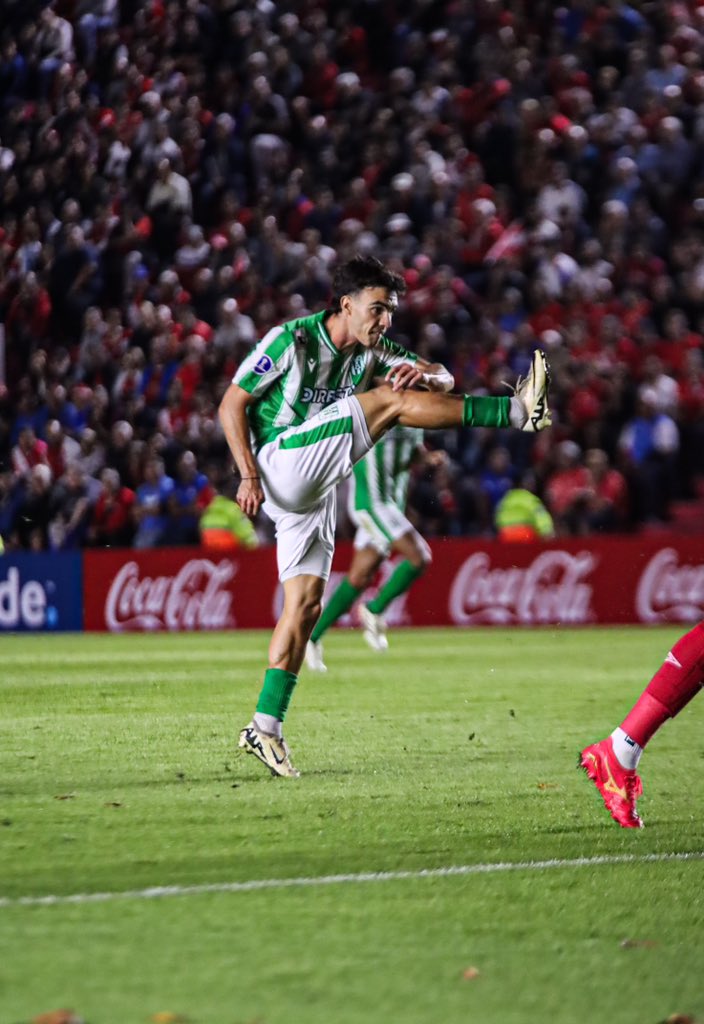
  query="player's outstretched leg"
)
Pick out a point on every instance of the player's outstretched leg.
point(612, 763)
point(527, 409)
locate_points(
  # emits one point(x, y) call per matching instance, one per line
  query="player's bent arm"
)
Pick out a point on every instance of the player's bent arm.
point(235, 425)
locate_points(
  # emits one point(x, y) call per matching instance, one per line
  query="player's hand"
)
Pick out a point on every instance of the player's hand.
point(250, 496)
point(402, 377)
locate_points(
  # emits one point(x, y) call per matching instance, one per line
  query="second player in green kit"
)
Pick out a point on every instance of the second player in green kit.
point(377, 507)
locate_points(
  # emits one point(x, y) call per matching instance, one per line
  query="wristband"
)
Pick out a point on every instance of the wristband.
point(250, 478)
point(443, 380)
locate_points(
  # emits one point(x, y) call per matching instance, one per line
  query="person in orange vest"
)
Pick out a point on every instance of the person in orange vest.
point(223, 525)
point(521, 516)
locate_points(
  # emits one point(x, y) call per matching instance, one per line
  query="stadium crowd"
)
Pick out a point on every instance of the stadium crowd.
point(178, 176)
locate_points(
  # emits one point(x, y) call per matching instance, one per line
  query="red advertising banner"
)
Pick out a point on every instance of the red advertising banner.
point(614, 580)
point(576, 582)
point(178, 589)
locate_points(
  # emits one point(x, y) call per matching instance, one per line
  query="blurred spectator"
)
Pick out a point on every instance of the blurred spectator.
point(495, 480)
point(169, 202)
point(223, 526)
point(53, 46)
point(607, 505)
point(27, 324)
point(32, 511)
point(71, 500)
point(520, 515)
point(432, 497)
point(650, 442)
point(61, 449)
point(29, 452)
point(111, 522)
point(235, 332)
point(190, 494)
point(75, 283)
point(567, 489)
point(91, 453)
point(150, 507)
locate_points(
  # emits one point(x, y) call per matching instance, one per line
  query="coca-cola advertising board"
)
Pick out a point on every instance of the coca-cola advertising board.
point(178, 589)
point(574, 582)
point(607, 581)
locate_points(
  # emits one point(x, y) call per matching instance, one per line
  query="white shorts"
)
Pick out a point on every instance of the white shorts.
point(371, 534)
point(380, 528)
point(300, 470)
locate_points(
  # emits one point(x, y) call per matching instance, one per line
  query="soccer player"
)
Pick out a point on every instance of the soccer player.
point(377, 508)
point(611, 763)
point(303, 407)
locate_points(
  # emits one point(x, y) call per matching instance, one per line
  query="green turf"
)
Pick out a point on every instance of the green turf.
point(117, 773)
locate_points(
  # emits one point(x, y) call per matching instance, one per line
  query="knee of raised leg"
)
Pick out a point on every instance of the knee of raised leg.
point(391, 400)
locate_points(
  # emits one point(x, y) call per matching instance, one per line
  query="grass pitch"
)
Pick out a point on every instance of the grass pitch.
point(455, 750)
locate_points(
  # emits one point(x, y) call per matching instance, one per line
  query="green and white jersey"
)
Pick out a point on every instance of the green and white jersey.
point(295, 371)
point(382, 476)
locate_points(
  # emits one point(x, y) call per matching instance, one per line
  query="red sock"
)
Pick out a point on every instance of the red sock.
point(672, 687)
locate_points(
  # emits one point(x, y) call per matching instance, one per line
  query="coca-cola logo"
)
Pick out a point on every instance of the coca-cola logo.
point(194, 598)
point(553, 588)
point(669, 592)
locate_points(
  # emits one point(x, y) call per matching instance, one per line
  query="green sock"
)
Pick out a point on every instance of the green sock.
point(398, 582)
point(340, 602)
point(486, 411)
point(275, 695)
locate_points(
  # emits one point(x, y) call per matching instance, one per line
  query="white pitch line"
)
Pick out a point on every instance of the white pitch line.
point(162, 891)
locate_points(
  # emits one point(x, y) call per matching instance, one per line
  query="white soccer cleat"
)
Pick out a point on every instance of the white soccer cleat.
point(271, 750)
point(314, 656)
point(533, 393)
point(374, 629)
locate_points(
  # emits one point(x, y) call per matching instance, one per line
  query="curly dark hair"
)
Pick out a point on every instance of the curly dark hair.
point(363, 272)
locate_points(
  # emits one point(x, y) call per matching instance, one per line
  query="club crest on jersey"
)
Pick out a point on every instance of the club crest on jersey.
point(357, 368)
point(263, 365)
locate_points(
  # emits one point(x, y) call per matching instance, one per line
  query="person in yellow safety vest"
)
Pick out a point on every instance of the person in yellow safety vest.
point(224, 527)
point(521, 516)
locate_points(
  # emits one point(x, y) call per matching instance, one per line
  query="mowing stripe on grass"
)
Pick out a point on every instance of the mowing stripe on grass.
point(161, 891)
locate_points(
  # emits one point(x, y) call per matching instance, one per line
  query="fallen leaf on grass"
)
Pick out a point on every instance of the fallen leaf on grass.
point(470, 973)
point(638, 944)
point(547, 785)
point(65, 796)
point(113, 803)
point(166, 1017)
